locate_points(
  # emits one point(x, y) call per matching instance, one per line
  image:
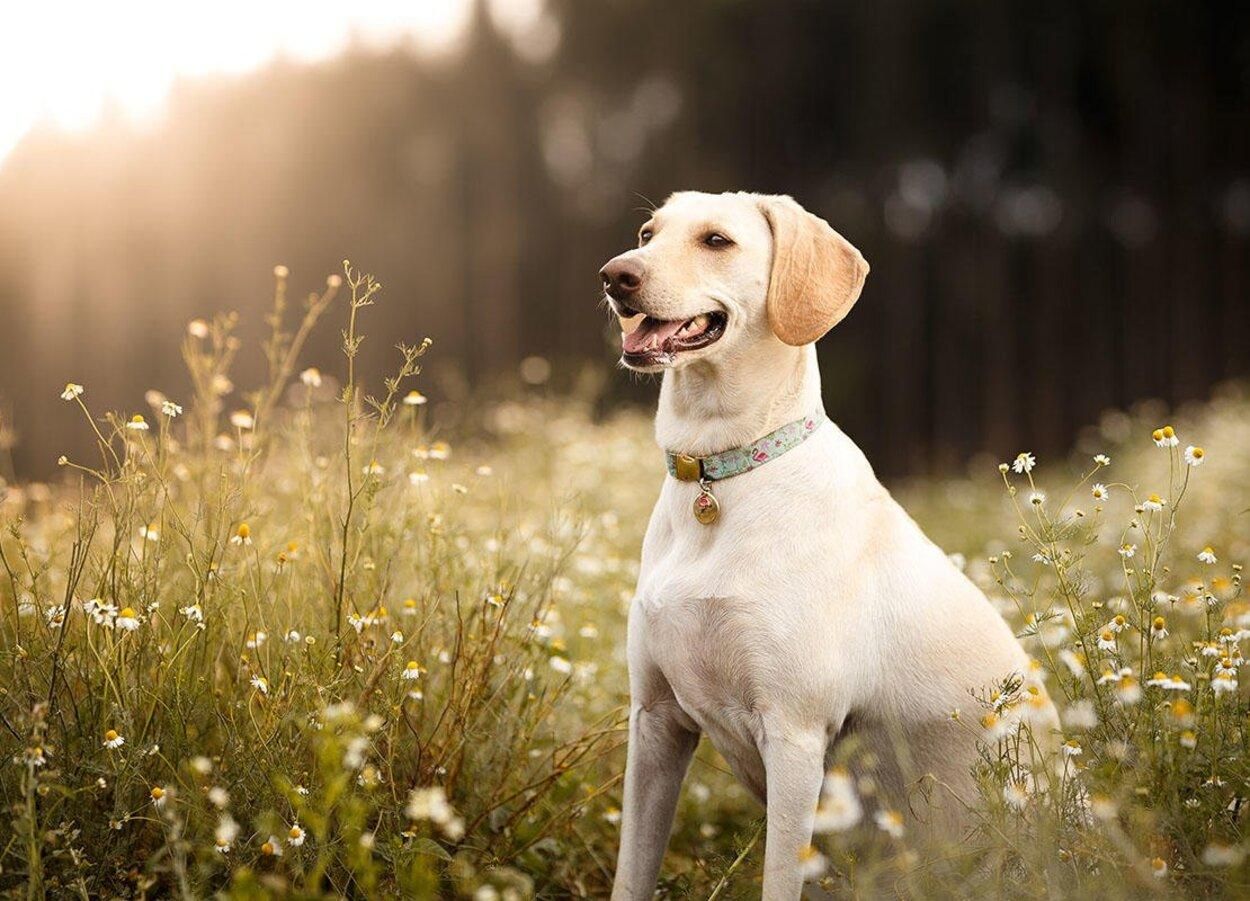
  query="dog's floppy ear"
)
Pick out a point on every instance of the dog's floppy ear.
point(817, 274)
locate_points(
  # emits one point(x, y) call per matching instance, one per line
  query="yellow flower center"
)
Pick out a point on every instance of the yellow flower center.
point(245, 531)
point(1157, 434)
point(110, 735)
point(296, 832)
point(266, 848)
point(127, 613)
point(136, 418)
point(1169, 432)
point(1198, 453)
point(1159, 623)
point(157, 793)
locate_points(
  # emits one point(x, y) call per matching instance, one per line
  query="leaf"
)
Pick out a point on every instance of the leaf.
point(431, 847)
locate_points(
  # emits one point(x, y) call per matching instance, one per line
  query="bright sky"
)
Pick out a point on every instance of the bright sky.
point(65, 62)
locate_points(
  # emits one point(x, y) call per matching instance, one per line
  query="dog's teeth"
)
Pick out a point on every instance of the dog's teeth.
point(629, 324)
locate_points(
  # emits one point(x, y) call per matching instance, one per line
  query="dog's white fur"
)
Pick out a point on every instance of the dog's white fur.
point(815, 607)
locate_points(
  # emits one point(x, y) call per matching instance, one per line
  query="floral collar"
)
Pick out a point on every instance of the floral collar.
point(738, 460)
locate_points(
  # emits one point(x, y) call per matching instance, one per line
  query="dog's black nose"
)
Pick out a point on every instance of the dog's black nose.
point(622, 276)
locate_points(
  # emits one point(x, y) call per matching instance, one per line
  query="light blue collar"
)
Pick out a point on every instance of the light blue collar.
point(726, 464)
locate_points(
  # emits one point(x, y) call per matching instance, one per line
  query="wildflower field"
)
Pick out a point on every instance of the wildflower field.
point(288, 640)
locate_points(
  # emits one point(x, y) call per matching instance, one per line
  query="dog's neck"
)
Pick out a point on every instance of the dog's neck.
point(709, 407)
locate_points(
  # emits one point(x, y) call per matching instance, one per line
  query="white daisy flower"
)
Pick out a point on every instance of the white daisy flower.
point(1195, 456)
point(839, 808)
point(171, 409)
point(1024, 462)
point(1128, 550)
point(1154, 503)
point(193, 612)
point(414, 398)
point(295, 836)
point(311, 377)
point(1102, 459)
point(1100, 491)
point(137, 423)
point(1207, 555)
point(890, 821)
point(560, 665)
point(127, 619)
point(411, 671)
point(261, 684)
point(113, 739)
point(1165, 437)
point(242, 419)
point(71, 391)
point(242, 535)
point(271, 847)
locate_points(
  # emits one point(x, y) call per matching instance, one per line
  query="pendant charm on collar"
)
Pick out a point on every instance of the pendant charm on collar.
point(706, 507)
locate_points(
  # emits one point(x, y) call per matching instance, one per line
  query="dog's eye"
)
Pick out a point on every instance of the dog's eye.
point(644, 236)
point(716, 239)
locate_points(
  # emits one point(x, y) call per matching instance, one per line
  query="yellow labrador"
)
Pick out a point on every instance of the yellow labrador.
point(785, 599)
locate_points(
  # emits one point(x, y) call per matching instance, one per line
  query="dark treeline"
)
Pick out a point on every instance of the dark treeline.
point(1055, 199)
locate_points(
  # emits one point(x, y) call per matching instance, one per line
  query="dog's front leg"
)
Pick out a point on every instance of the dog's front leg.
point(794, 761)
point(659, 753)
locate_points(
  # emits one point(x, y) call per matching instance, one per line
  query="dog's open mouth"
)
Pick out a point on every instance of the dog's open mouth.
point(646, 341)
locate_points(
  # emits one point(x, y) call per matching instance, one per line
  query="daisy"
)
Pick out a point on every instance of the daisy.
point(295, 836)
point(1037, 498)
point(414, 398)
point(561, 665)
point(1099, 491)
point(159, 796)
point(1189, 739)
point(440, 450)
point(293, 637)
point(242, 535)
point(1195, 456)
point(72, 392)
point(1128, 550)
point(429, 804)
point(241, 419)
point(811, 862)
point(1159, 867)
point(1207, 555)
point(137, 424)
point(374, 469)
point(1106, 640)
point(1102, 459)
point(113, 740)
point(1127, 690)
point(1024, 462)
point(261, 684)
point(193, 612)
point(197, 328)
point(311, 377)
point(256, 639)
point(170, 409)
point(397, 637)
point(1154, 503)
point(272, 847)
point(1072, 748)
point(417, 478)
point(890, 821)
point(1016, 794)
point(839, 808)
point(412, 671)
point(128, 619)
point(1117, 623)
point(1159, 627)
point(409, 607)
point(1223, 682)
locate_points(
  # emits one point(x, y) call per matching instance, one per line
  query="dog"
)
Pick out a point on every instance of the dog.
point(785, 601)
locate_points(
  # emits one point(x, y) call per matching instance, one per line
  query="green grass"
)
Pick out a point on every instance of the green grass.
point(289, 555)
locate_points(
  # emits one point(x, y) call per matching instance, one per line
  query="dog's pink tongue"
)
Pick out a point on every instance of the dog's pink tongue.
point(652, 333)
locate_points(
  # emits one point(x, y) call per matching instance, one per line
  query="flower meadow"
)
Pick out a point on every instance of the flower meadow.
point(292, 640)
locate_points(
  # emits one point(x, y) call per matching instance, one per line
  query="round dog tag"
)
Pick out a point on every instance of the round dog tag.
point(706, 507)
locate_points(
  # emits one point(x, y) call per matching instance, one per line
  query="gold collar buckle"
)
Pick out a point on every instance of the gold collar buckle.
point(687, 468)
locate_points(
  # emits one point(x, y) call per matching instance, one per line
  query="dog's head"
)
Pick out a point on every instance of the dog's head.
point(715, 272)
